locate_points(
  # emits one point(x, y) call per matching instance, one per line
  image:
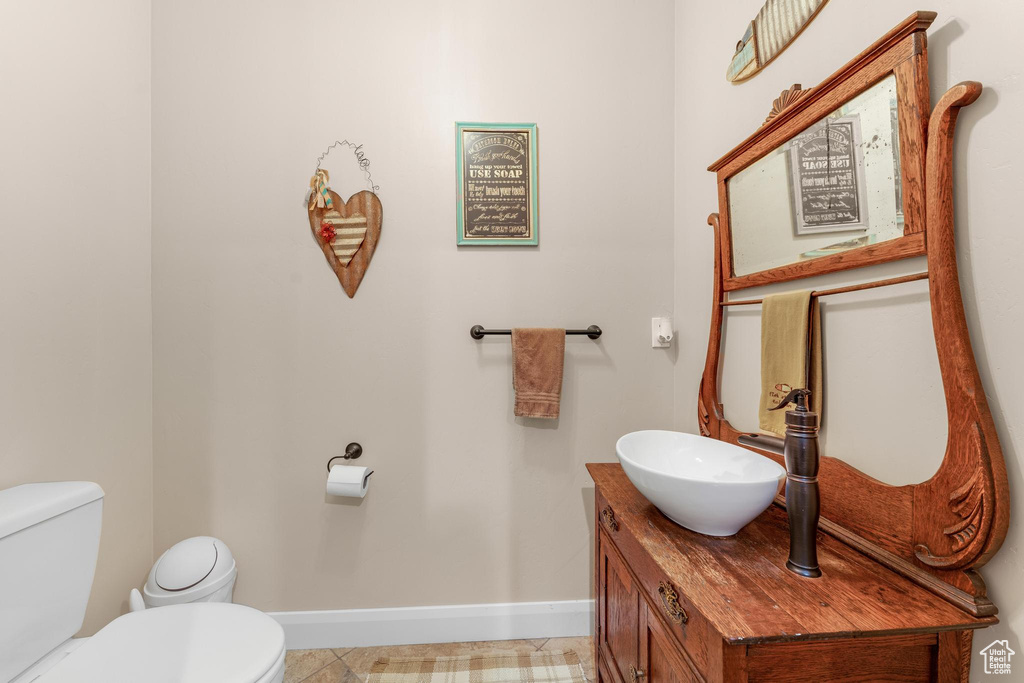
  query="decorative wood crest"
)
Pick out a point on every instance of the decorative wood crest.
point(785, 99)
point(939, 532)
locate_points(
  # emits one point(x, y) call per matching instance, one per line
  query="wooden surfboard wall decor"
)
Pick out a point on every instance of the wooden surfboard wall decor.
point(773, 29)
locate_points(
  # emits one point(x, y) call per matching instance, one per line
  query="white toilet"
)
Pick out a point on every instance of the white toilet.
point(49, 539)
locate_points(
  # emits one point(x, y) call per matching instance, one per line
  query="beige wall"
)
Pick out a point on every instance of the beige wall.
point(263, 368)
point(75, 312)
point(968, 41)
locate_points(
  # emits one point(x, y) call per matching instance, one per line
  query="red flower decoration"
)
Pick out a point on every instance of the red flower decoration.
point(327, 231)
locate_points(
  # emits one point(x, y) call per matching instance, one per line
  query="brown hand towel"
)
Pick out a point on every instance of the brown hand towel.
point(537, 356)
point(784, 354)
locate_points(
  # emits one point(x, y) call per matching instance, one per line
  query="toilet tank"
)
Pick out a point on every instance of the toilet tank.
point(49, 539)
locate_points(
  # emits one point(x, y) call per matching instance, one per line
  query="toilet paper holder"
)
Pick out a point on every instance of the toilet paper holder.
point(352, 452)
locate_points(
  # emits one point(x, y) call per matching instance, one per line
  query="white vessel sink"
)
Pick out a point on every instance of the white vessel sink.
point(703, 484)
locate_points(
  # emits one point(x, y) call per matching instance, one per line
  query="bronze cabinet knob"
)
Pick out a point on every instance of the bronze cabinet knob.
point(670, 603)
point(635, 673)
point(608, 517)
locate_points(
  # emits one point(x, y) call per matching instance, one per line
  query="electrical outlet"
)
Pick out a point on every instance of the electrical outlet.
point(661, 332)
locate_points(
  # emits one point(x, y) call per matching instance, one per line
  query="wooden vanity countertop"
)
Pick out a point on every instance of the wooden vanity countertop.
point(741, 585)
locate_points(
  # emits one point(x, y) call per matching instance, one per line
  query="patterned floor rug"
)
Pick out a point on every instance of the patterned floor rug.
point(535, 667)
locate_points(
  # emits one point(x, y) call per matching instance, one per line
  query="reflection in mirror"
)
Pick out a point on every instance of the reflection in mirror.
point(836, 186)
point(880, 357)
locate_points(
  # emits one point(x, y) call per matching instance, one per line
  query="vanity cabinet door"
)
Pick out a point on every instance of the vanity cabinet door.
point(620, 614)
point(660, 659)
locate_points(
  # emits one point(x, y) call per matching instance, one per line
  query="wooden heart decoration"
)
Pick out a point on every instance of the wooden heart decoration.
point(348, 233)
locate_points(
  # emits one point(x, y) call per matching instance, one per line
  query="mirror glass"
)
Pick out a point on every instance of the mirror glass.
point(836, 186)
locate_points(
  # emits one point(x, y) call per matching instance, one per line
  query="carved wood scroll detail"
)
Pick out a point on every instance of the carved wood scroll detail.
point(971, 503)
point(785, 99)
point(968, 502)
point(703, 418)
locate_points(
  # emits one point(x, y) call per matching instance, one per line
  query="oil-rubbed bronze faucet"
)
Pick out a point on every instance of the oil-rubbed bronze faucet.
point(803, 503)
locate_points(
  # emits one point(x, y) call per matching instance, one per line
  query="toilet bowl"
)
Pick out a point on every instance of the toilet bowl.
point(49, 539)
point(194, 643)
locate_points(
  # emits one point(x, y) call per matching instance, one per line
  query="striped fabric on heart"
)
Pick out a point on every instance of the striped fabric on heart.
point(349, 233)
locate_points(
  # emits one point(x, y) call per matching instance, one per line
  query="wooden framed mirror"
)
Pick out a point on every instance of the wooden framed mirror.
point(882, 96)
point(855, 172)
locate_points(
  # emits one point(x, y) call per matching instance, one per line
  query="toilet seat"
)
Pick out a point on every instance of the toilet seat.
point(193, 643)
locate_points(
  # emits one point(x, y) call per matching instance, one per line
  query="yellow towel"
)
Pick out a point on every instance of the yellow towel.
point(784, 356)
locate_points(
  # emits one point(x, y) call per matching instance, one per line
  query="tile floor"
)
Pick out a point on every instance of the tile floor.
point(352, 665)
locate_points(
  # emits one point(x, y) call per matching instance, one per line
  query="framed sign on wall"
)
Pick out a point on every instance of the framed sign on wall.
point(496, 169)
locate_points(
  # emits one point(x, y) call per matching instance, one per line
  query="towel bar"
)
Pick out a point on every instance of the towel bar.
point(478, 332)
point(842, 290)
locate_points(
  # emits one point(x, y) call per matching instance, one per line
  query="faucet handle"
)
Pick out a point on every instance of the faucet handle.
point(798, 396)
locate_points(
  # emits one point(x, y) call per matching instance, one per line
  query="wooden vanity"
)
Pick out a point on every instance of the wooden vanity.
point(673, 605)
point(901, 593)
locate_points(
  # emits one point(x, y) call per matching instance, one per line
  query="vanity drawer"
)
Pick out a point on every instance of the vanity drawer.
point(689, 628)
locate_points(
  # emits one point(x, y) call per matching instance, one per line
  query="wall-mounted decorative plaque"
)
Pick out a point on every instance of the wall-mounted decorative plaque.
point(776, 25)
point(497, 183)
point(346, 231)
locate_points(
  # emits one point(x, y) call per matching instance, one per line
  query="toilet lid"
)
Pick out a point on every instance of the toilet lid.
point(194, 643)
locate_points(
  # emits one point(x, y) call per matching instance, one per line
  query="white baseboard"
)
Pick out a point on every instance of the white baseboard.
point(438, 624)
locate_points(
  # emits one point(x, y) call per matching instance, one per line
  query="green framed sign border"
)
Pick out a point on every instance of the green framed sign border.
point(460, 199)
